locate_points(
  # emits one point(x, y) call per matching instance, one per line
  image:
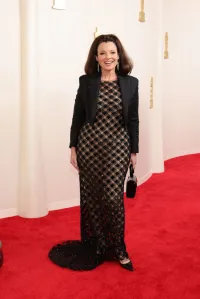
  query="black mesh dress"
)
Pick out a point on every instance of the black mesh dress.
point(103, 155)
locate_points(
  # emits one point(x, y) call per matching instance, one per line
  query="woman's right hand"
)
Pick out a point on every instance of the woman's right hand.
point(73, 159)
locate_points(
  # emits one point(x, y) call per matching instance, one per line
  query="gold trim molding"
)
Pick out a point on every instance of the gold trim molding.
point(96, 33)
point(151, 93)
point(59, 4)
point(166, 52)
point(142, 13)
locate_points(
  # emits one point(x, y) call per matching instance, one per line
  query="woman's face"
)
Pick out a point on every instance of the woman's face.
point(107, 56)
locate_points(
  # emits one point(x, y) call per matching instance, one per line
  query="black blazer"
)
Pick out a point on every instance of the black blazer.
point(86, 105)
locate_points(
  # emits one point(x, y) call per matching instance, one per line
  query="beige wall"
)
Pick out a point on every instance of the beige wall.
point(181, 92)
point(64, 38)
point(9, 105)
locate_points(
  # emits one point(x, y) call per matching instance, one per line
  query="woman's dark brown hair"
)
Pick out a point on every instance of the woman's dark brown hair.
point(125, 63)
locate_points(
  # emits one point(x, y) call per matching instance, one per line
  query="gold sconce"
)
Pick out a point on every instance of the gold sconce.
point(96, 33)
point(151, 93)
point(142, 13)
point(166, 53)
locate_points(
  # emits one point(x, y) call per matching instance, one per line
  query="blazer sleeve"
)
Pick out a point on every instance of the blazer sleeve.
point(78, 118)
point(133, 125)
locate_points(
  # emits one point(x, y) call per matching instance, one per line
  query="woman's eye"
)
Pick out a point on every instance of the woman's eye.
point(104, 53)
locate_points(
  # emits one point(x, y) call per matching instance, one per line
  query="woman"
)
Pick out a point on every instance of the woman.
point(103, 141)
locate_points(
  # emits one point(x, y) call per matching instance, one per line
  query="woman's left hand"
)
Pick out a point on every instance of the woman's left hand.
point(133, 160)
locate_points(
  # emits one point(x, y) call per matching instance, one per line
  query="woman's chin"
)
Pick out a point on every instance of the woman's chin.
point(108, 69)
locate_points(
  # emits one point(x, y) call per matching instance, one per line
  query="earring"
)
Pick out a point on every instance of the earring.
point(98, 67)
point(118, 66)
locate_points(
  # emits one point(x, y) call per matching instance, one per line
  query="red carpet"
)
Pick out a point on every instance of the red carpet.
point(163, 239)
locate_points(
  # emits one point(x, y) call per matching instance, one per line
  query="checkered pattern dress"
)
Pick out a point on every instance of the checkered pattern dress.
point(103, 154)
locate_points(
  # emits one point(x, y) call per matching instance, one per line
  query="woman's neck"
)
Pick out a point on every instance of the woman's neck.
point(108, 76)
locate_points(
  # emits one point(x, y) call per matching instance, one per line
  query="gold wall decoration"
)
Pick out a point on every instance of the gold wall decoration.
point(96, 33)
point(166, 53)
point(59, 4)
point(141, 13)
point(151, 93)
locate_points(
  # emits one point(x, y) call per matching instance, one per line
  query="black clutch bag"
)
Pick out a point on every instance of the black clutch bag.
point(131, 184)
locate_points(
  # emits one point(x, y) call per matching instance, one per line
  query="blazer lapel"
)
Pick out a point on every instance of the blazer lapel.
point(93, 88)
point(123, 83)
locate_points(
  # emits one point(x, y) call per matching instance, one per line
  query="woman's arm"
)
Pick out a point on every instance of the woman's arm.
point(133, 125)
point(78, 118)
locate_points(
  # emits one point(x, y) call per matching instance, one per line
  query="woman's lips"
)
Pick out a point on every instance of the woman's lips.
point(108, 62)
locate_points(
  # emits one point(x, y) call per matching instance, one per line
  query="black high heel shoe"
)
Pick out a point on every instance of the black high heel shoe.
point(127, 266)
